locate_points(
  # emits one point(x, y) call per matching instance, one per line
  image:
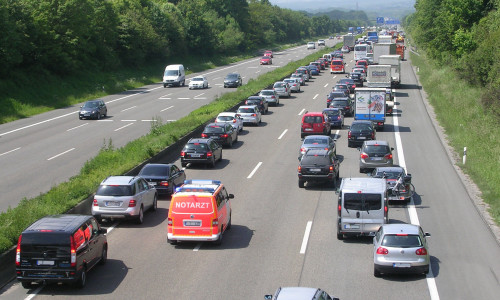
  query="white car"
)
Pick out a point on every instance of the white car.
point(232, 118)
point(198, 82)
point(321, 43)
point(294, 84)
point(311, 45)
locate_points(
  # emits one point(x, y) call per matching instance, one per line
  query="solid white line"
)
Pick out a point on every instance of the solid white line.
point(129, 120)
point(282, 134)
point(183, 98)
point(315, 96)
point(123, 126)
point(325, 85)
point(199, 95)
point(128, 108)
point(166, 108)
point(35, 124)
point(306, 237)
point(198, 246)
point(165, 98)
point(431, 281)
point(254, 170)
point(77, 126)
point(61, 154)
point(10, 151)
point(301, 112)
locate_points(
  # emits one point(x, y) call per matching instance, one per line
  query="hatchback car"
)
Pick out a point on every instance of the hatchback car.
point(299, 293)
point(317, 142)
point(321, 43)
point(93, 109)
point(335, 95)
point(314, 69)
point(223, 133)
point(124, 197)
point(400, 248)
point(232, 118)
point(250, 114)
point(375, 154)
point(335, 116)
point(300, 77)
point(201, 151)
point(318, 165)
point(305, 72)
point(268, 53)
point(343, 103)
point(294, 84)
point(357, 77)
point(360, 131)
point(271, 97)
point(399, 186)
point(164, 177)
point(360, 70)
point(260, 101)
point(342, 87)
point(198, 82)
point(350, 84)
point(266, 60)
point(315, 123)
point(233, 80)
point(282, 89)
point(311, 45)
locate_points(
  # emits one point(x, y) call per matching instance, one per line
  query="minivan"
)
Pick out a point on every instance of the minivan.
point(362, 206)
point(174, 76)
point(60, 249)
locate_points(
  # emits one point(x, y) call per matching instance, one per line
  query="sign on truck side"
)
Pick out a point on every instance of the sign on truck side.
point(370, 105)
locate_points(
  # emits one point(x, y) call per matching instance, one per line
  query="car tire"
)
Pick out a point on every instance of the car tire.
point(301, 183)
point(183, 82)
point(220, 158)
point(80, 118)
point(376, 272)
point(212, 163)
point(183, 164)
point(230, 144)
point(340, 236)
point(104, 256)
point(155, 204)
point(105, 114)
point(228, 227)
point(218, 242)
point(164, 86)
point(140, 217)
point(27, 284)
point(235, 140)
point(82, 280)
point(361, 170)
point(98, 117)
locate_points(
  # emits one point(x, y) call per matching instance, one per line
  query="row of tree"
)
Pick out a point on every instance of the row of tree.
point(63, 36)
point(464, 34)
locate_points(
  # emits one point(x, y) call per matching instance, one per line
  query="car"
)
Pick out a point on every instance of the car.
point(318, 165)
point(343, 103)
point(338, 54)
point(314, 69)
point(335, 116)
point(357, 77)
point(337, 66)
point(317, 142)
point(250, 114)
point(223, 133)
point(317, 64)
point(124, 197)
point(198, 82)
point(321, 43)
point(271, 97)
point(301, 77)
point(260, 101)
point(325, 61)
point(302, 293)
point(60, 249)
point(269, 53)
point(232, 118)
point(201, 151)
point(400, 248)
point(362, 71)
point(164, 177)
point(311, 45)
point(321, 64)
point(315, 123)
point(93, 109)
point(305, 72)
point(294, 84)
point(350, 84)
point(362, 62)
point(233, 80)
point(399, 186)
point(368, 58)
point(334, 95)
point(375, 153)
point(360, 131)
point(345, 49)
point(282, 89)
point(342, 87)
point(266, 60)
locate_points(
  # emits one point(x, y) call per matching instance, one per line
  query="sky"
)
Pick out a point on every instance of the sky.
point(366, 5)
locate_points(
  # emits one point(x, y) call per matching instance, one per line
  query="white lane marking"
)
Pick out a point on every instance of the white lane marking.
point(431, 281)
point(112, 227)
point(78, 126)
point(254, 170)
point(257, 72)
point(129, 120)
point(252, 67)
point(216, 78)
point(10, 151)
point(166, 108)
point(198, 246)
point(165, 98)
point(282, 134)
point(301, 112)
point(128, 108)
point(336, 134)
point(61, 154)
point(334, 76)
point(107, 120)
point(183, 98)
point(326, 85)
point(199, 95)
point(202, 98)
point(123, 126)
point(38, 123)
point(315, 96)
point(35, 292)
point(149, 120)
point(171, 120)
point(306, 237)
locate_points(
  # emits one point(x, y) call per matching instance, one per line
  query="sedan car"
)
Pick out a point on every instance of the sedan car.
point(374, 154)
point(314, 69)
point(232, 118)
point(250, 114)
point(294, 84)
point(93, 109)
point(342, 87)
point(317, 142)
point(260, 101)
point(335, 116)
point(282, 89)
point(302, 293)
point(271, 97)
point(360, 131)
point(223, 133)
point(198, 82)
point(201, 151)
point(164, 177)
point(399, 187)
point(266, 60)
point(233, 80)
point(400, 248)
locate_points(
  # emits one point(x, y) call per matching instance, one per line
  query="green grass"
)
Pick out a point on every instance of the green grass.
point(467, 124)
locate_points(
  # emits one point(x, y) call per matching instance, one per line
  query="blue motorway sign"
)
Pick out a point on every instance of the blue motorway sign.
point(380, 20)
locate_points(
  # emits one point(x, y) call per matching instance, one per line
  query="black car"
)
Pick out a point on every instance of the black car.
point(260, 101)
point(318, 165)
point(201, 151)
point(222, 133)
point(351, 85)
point(165, 177)
point(334, 95)
point(357, 77)
point(342, 87)
point(60, 249)
point(93, 109)
point(233, 80)
point(360, 131)
point(343, 103)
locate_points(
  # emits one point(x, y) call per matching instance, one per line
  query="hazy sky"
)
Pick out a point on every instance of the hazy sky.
point(351, 4)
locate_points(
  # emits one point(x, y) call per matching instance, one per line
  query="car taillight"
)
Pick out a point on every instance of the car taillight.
point(382, 251)
point(225, 135)
point(169, 221)
point(331, 167)
point(273, 97)
point(349, 135)
point(95, 202)
point(234, 120)
point(388, 156)
point(339, 209)
point(421, 251)
point(209, 154)
point(73, 251)
point(246, 102)
point(328, 100)
point(18, 251)
point(254, 115)
point(373, 135)
point(215, 222)
point(364, 155)
point(203, 135)
point(183, 153)
point(164, 183)
point(299, 169)
point(302, 149)
point(132, 203)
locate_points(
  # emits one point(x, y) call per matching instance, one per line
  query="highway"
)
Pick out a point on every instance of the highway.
point(282, 235)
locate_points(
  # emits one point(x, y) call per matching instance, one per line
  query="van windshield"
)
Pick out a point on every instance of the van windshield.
point(361, 201)
point(172, 73)
point(192, 204)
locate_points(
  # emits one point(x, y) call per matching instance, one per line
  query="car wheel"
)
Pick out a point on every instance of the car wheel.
point(80, 118)
point(171, 242)
point(230, 144)
point(212, 163)
point(301, 183)
point(376, 272)
point(218, 242)
point(155, 204)
point(104, 256)
point(105, 114)
point(82, 281)
point(220, 157)
point(183, 82)
point(98, 117)
point(183, 164)
point(26, 284)
point(164, 86)
point(140, 217)
point(228, 227)
point(361, 170)
point(340, 236)
point(235, 140)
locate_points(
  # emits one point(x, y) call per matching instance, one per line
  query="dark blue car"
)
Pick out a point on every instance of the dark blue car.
point(336, 117)
point(314, 69)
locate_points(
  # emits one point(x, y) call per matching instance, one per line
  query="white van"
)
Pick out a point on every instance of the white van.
point(174, 75)
point(362, 206)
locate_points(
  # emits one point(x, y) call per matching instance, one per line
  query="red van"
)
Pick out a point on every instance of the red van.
point(315, 123)
point(337, 66)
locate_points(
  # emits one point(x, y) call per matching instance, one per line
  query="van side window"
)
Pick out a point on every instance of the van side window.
point(219, 199)
point(224, 193)
point(95, 227)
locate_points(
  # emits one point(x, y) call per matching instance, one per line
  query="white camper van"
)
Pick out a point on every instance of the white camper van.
point(174, 76)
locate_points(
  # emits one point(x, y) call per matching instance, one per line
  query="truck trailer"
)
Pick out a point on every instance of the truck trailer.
point(382, 49)
point(349, 41)
point(395, 62)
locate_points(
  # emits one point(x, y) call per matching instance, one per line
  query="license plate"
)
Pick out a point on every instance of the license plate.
point(87, 115)
point(153, 183)
point(377, 158)
point(401, 265)
point(45, 262)
point(361, 137)
point(315, 170)
point(351, 226)
point(112, 203)
point(309, 129)
point(195, 155)
point(192, 223)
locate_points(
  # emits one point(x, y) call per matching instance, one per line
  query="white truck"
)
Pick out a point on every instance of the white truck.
point(379, 77)
point(370, 104)
point(395, 62)
point(385, 39)
point(349, 41)
point(382, 49)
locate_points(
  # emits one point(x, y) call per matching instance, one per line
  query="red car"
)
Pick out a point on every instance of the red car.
point(266, 60)
point(269, 53)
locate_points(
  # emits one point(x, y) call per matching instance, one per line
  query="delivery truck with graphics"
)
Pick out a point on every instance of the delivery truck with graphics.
point(370, 105)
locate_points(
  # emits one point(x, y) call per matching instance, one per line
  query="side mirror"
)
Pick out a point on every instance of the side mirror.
point(427, 234)
point(104, 231)
point(231, 196)
point(392, 148)
point(268, 297)
point(359, 148)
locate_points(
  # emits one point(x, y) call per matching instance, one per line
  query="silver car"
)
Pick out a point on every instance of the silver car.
point(302, 293)
point(400, 248)
point(250, 114)
point(317, 142)
point(300, 77)
point(124, 197)
point(282, 89)
point(230, 117)
point(271, 97)
point(294, 84)
point(374, 154)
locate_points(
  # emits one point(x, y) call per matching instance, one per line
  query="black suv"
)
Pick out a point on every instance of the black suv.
point(260, 101)
point(334, 95)
point(360, 131)
point(345, 104)
point(60, 248)
point(318, 166)
point(93, 109)
point(233, 80)
point(201, 151)
point(222, 133)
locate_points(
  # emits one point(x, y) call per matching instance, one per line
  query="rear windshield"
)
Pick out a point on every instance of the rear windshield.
point(337, 62)
point(402, 241)
point(225, 118)
point(388, 174)
point(39, 241)
point(280, 84)
point(315, 160)
point(332, 112)
point(362, 201)
point(247, 110)
point(193, 203)
point(213, 129)
point(267, 93)
point(381, 149)
point(340, 103)
point(155, 171)
point(313, 119)
point(313, 140)
point(196, 146)
point(115, 190)
point(360, 127)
